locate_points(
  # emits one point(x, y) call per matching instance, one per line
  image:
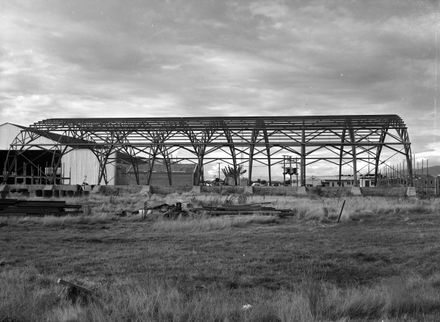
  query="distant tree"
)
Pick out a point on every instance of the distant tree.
point(235, 173)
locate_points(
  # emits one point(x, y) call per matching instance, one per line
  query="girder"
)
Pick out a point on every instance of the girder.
point(341, 140)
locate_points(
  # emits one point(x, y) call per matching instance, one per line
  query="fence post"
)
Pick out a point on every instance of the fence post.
point(340, 213)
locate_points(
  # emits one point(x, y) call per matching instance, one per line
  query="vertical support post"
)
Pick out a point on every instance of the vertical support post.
point(403, 133)
point(219, 172)
point(383, 135)
point(135, 164)
point(9, 165)
point(296, 168)
point(266, 140)
point(102, 172)
point(303, 157)
point(199, 170)
point(290, 170)
point(157, 139)
point(354, 155)
point(167, 164)
point(284, 170)
point(16, 173)
point(341, 155)
point(250, 162)
point(52, 165)
point(409, 164)
point(150, 167)
point(427, 174)
point(199, 151)
point(232, 150)
point(102, 159)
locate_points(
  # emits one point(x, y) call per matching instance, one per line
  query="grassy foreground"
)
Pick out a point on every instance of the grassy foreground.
point(28, 296)
point(380, 263)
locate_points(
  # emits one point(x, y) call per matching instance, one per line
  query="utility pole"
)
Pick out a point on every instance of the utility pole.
point(290, 170)
point(219, 172)
point(284, 170)
point(296, 166)
point(426, 181)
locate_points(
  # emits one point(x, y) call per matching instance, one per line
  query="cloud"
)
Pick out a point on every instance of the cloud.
point(272, 10)
point(190, 57)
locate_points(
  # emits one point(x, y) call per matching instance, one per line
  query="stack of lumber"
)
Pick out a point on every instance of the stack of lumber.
point(16, 207)
point(244, 209)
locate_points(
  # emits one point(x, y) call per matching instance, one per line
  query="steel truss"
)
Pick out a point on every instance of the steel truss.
point(357, 141)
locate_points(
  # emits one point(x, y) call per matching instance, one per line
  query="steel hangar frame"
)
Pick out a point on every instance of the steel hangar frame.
point(357, 141)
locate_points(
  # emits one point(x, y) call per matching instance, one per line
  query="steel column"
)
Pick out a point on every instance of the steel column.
point(303, 157)
point(341, 154)
point(353, 152)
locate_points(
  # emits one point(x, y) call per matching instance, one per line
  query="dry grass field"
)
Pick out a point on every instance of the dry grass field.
point(381, 262)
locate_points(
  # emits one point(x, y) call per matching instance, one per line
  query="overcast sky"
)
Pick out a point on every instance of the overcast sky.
point(85, 58)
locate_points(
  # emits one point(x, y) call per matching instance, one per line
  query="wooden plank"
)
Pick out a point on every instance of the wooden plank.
point(15, 207)
point(243, 212)
point(70, 284)
point(41, 204)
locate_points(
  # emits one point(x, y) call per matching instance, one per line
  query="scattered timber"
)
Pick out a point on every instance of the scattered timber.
point(16, 207)
point(70, 284)
point(76, 293)
point(340, 213)
point(244, 209)
point(174, 211)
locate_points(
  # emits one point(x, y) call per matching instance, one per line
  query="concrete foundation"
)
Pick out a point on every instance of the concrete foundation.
point(410, 192)
point(301, 190)
point(356, 191)
point(146, 190)
point(62, 191)
point(96, 189)
point(384, 191)
point(38, 190)
point(248, 190)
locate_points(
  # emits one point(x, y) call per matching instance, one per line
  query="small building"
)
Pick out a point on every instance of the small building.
point(181, 174)
point(427, 184)
point(78, 165)
point(348, 181)
point(74, 167)
point(312, 181)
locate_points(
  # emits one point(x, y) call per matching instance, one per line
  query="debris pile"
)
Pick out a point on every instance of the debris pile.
point(165, 210)
point(174, 211)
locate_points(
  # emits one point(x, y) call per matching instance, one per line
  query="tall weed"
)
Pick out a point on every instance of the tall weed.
point(25, 295)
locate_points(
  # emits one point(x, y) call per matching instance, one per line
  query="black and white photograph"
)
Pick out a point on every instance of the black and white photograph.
point(219, 160)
